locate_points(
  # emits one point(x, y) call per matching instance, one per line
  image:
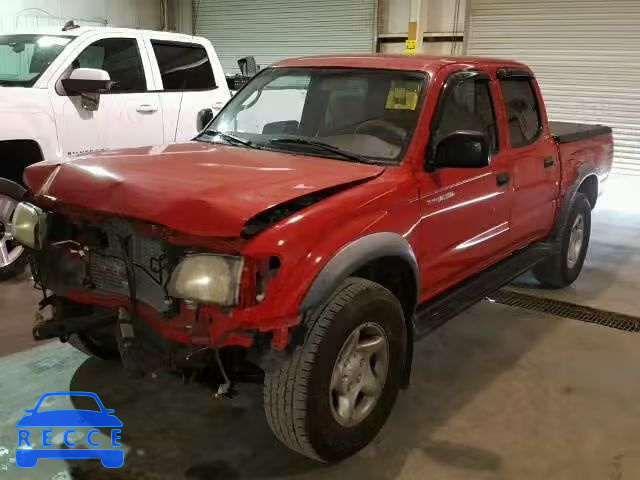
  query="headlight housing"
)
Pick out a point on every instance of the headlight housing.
point(207, 278)
point(29, 225)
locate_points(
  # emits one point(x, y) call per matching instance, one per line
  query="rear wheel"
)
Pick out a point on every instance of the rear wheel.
point(334, 393)
point(564, 267)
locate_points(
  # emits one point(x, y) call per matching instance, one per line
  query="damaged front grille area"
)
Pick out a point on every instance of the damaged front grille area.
point(108, 266)
point(108, 273)
point(104, 256)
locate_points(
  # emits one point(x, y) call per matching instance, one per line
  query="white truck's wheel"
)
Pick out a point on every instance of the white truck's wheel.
point(12, 258)
point(335, 392)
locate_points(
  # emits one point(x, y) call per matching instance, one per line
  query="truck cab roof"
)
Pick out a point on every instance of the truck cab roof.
point(84, 30)
point(425, 63)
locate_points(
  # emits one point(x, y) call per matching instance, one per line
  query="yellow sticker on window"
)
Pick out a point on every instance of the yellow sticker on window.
point(403, 95)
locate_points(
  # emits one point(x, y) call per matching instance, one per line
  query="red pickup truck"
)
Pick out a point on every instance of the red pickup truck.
point(336, 210)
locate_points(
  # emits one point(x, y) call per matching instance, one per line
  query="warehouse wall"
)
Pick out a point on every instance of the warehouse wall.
point(442, 22)
point(122, 13)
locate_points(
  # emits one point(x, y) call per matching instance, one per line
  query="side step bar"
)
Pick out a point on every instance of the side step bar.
point(436, 312)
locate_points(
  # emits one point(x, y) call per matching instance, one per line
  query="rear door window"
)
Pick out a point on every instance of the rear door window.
point(184, 66)
point(523, 111)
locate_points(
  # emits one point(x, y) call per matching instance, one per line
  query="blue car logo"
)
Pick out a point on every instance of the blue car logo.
point(27, 456)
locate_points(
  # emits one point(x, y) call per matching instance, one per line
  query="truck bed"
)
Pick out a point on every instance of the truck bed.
point(565, 132)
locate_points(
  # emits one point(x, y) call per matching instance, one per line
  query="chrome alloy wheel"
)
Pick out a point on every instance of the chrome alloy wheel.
point(359, 374)
point(10, 250)
point(576, 240)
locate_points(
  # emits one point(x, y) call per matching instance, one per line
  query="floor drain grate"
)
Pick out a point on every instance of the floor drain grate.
point(567, 310)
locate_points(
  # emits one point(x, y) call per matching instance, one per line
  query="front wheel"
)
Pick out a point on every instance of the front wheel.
point(333, 395)
point(562, 268)
point(12, 257)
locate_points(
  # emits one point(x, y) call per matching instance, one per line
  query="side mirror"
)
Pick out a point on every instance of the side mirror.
point(88, 83)
point(248, 66)
point(204, 117)
point(461, 149)
point(87, 80)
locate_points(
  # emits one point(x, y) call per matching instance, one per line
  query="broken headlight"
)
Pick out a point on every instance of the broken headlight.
point(207, 278)
point(29, 225)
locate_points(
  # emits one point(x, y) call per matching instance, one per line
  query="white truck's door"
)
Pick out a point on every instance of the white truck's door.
point(129, 115)
point(191, 79)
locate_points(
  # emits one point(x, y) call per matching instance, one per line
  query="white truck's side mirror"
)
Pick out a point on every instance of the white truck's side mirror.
point(87, 80)
point(88, 83)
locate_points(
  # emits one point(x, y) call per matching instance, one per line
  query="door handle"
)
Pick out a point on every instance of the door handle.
point(502, 179)
point(548, 162)
point(146, 108)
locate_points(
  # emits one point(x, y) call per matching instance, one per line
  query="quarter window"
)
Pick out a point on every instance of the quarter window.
point(120, 57)
point(523, 112)
point(468, 106)
point(184, 67)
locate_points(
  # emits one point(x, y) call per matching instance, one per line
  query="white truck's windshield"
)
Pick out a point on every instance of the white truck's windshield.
point(23, 58)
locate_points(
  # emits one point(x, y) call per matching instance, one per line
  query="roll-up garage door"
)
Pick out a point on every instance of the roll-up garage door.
point(278, 29)
point(585, 54)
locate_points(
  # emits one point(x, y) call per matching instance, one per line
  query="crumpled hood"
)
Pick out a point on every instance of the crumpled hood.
point(196, 188)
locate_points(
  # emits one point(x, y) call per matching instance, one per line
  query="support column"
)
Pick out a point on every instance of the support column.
point(415, 30)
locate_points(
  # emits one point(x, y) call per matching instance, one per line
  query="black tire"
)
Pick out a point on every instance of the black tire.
point(297, 395)
point(13, 269)
point(555, 271)
point(16, 192)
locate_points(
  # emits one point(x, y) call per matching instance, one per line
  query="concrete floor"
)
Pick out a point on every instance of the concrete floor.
point(498, 393)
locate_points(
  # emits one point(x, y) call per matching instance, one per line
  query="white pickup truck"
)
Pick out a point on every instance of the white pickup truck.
point(70, 91)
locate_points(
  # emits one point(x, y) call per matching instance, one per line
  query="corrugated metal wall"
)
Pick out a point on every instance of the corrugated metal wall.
point(278, 29)
point(585, 54)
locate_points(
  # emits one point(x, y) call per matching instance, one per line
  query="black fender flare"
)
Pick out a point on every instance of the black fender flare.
point(12, 189)
point(350, 259)
point(584, 171)
point(354, 256)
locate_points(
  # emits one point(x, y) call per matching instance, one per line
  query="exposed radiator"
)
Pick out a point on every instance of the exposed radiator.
point(108, 270)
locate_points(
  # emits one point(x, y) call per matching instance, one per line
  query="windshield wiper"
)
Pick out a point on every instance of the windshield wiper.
point(327, 147)
point(231, 138)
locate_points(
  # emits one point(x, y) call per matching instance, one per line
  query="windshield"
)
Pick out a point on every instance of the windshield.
point(23, 58)
point(348, 114)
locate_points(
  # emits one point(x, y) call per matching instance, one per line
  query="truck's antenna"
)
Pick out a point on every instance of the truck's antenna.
point(193, 28)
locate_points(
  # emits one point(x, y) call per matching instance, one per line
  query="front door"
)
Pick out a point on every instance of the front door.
point(128, 115)
point(465, 211)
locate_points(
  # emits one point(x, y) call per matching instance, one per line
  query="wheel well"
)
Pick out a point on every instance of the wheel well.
point(590, 188)
point(396, 275)
point(15, 156)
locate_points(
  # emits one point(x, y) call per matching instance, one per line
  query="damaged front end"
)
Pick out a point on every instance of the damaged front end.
point(117, 288)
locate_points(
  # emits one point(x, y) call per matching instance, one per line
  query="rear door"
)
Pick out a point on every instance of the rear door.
point(531, 151)
point(465, 211)
point(127, 116)
point(191, 82)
